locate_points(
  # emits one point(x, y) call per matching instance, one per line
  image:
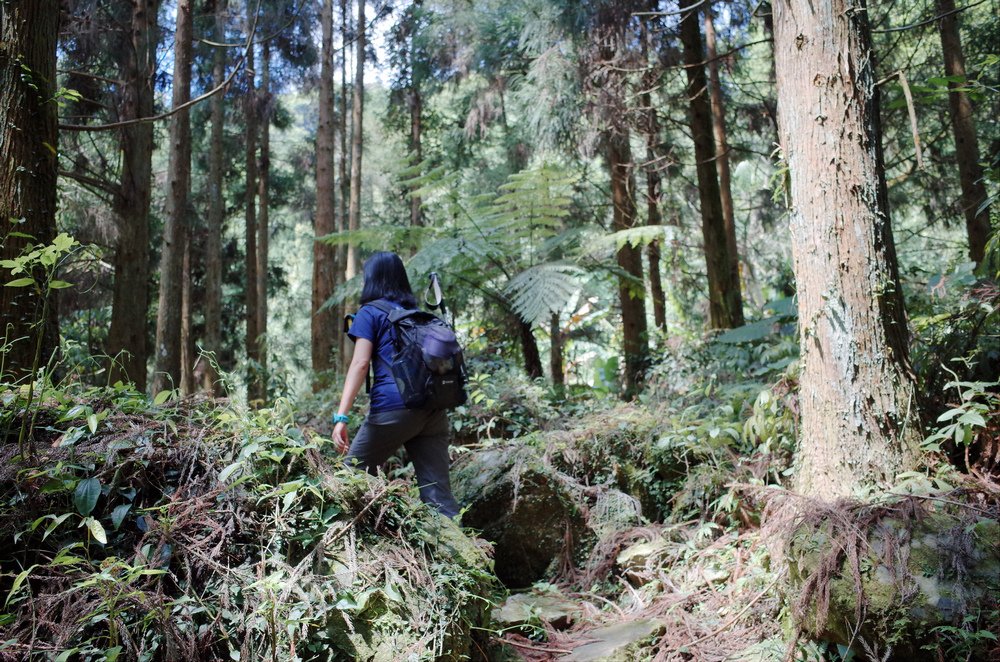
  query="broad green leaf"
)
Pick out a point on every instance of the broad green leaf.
point(21, 282)
point(162, 397)
point(21, 576)
point(97, 530)
point(56, 521)
point(225, 474)
point(59, 285)
point(92, 423)
point(86, 495)
point(119, 513)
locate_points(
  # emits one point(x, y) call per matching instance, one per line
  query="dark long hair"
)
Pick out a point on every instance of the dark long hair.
point(385, 278)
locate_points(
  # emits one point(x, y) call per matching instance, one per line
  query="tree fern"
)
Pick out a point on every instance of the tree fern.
point(539, 291)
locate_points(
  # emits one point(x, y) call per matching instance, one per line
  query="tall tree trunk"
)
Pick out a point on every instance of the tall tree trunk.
point(631, 292)
point(324, 324)
point(216, 210)
point(416, 105)
point(28, 137)
point(529, 347)
point(977, 223)
point(859, 423)
point(187, 337)
point(556, 355)
point(252, 343)
point(263, 218)
point(654, 189)
point(354, 212)
point(345, 182)
point(127, 337)
point(725, 303)
point(416, 151)
point(721, 148)
point(168, 337)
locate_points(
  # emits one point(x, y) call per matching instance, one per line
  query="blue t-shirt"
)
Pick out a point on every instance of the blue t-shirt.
point(372, 324)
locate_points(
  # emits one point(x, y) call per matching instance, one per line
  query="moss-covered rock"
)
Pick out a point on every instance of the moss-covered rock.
point(902, 578)
point(526, 508)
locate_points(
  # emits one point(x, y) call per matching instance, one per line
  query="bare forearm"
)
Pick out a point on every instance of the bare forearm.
point(352, 385)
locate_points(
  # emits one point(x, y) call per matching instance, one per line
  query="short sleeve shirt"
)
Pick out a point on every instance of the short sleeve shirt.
point(373, 325)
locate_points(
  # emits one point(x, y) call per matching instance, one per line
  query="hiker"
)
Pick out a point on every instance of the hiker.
point(390, 424)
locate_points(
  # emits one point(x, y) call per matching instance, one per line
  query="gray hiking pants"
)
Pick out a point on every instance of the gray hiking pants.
point(425, 435)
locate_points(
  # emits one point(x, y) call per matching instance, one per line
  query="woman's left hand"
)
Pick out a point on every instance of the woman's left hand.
point(340, 437)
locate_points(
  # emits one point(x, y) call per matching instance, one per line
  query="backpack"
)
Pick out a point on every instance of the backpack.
point(427, 362)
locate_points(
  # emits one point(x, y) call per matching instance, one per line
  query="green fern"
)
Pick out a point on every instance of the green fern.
point(542, 290)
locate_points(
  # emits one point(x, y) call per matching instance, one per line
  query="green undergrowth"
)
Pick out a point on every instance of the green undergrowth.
point(198, 529)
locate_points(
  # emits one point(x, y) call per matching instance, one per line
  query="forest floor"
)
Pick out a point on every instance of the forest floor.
point(201, 529)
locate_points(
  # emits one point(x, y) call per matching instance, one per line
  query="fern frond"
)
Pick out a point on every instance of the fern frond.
point(637, 237)
point(381, 237)
point(347, 290)
point(548, 288)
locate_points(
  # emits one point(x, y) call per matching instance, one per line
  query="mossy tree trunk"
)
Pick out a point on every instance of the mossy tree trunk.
point(28, 138)
point(858, 409)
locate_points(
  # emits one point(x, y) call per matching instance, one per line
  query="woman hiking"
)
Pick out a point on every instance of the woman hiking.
point(389, 425)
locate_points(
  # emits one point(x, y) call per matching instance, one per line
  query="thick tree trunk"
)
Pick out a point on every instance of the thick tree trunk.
point(263, 216)
point(529, 347)
point(963, 127)
point(725, 303)
point(216, 211)
point(127, 337)
point(721, 148)
point(857, 401)
point(631, 292)
point(28, 137)
point(556, 354)
point(168, 337)
point(252, 339)
point(324, 324)
point(354, 212)
point(344, 181)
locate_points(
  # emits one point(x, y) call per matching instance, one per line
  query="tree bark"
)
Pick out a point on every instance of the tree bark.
point(977, 223)
point(556, 355)
point(252, 335)
point(28, 139)
point(354, 212)
point(168, 337)
point(345, 182)
point(529, 347)
point(654, 189)
point(721, 149)
point(187, 337)
point(324, 324)
point(859, 424)
point(631, 292)
point(725, 302)
point(216, 211)
point(127, 337)
point(263, 216)
point(416, 150)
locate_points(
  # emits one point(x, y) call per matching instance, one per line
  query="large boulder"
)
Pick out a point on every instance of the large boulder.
point(527, 509)
point(897, 576)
